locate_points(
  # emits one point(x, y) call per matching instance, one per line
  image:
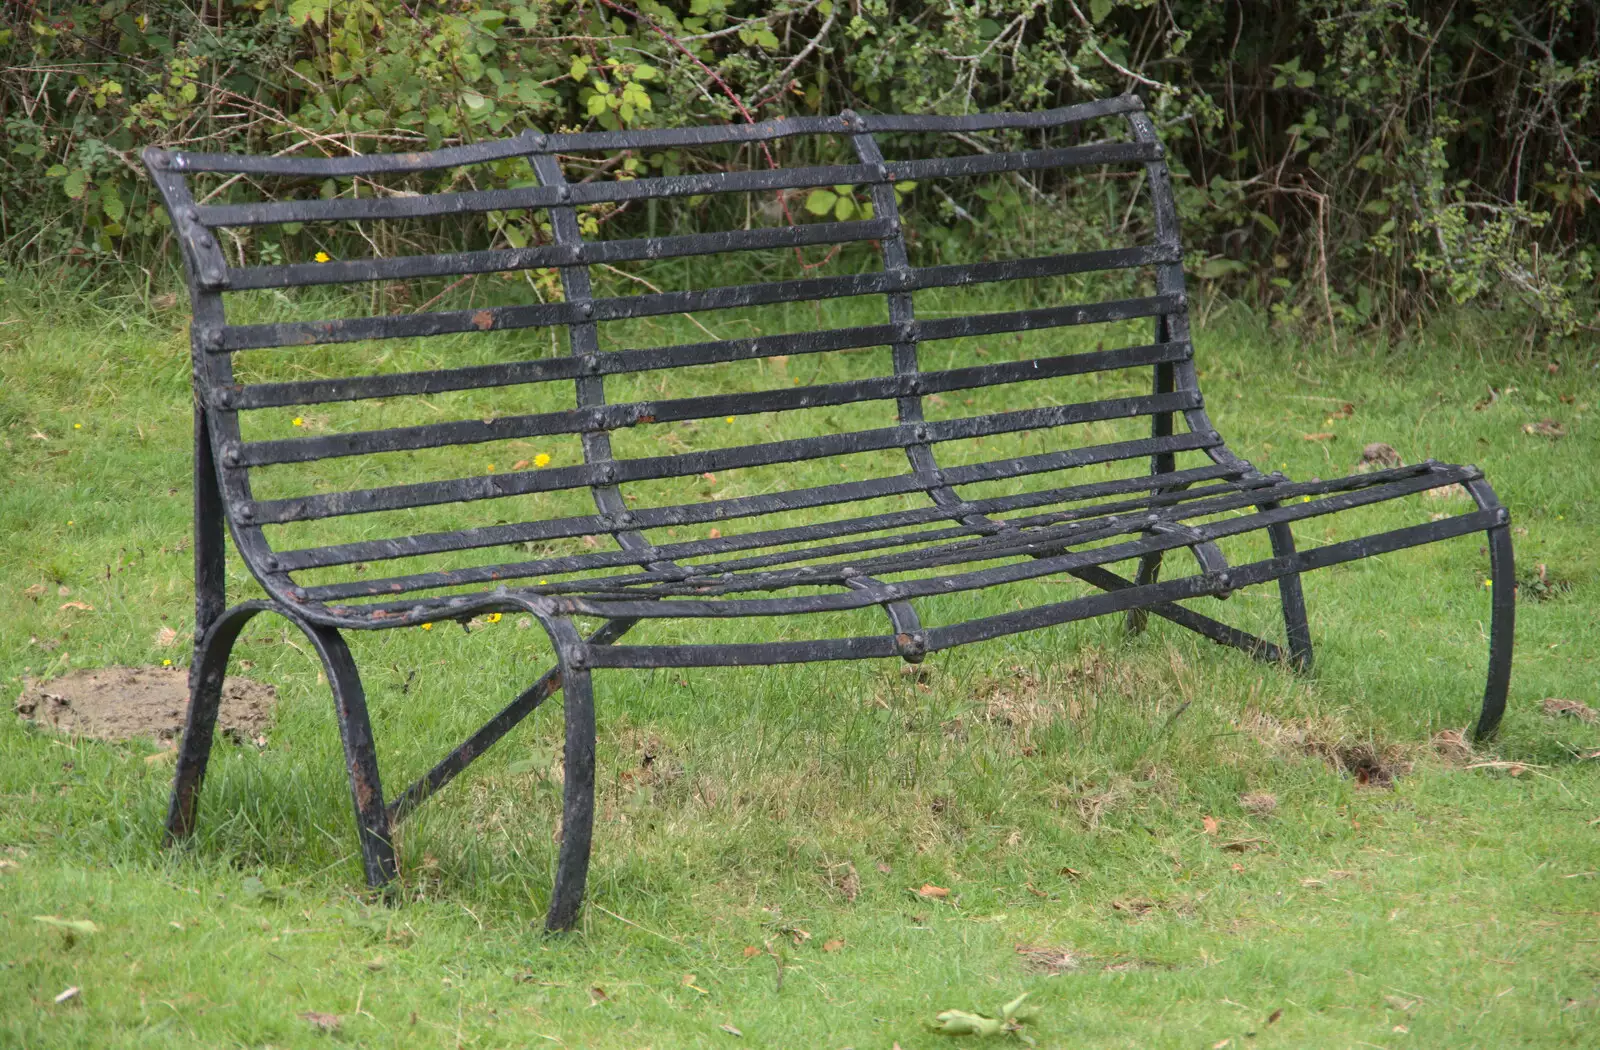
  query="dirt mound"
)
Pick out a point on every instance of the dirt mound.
point(121, 703)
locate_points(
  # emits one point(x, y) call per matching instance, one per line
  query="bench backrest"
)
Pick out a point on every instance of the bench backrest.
point(379, 489)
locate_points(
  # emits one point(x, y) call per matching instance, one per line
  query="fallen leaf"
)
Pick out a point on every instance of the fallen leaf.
point(1402, 1029)
point(1044, 959)
point(82, 606)
point(1273, 1017)
point(322, 1022)
point(166, 754)
point(1241, 845)
point(1575, 708)
point(1396, 1002)
point(597, 995)
point(70, 993)
point(930, 890)
point(1343, 413)
point(35, 592)
point(1377, 456)
point(166, 637)
point(730, 1029)
point(520, 464)
point(688, 982)
point(751, 951)
point(1071, 873)
point(1211, 825)
point(1220, 1043)
point(75, 925)
point(884, 868)
point(1545, 428)
point(959, 1022)
point(833, 945)
point(1323, 435)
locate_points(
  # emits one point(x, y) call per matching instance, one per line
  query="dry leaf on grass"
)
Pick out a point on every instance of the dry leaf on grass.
point(1044, 959)
point(1241, 845)
point(1210, 824)
point(833, 945)
point(1272, 1018)
point(597, 995)
point(930, 890)
point(751, 951)
point(1545, 428)
point(1575, 708)
point(70, 993)
point(1321, 435)
point(730, 1029)
point(322, 1022)
point(1378, 455)
point(166, 637)
point(80, 606)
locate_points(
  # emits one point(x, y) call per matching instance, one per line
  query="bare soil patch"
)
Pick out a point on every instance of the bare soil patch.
point(123, 703)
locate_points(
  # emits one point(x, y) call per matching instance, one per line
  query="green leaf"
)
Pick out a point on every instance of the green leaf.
point(112, 205)
point(959, 1022)
point(1215, 268)
point(1266, 222)
point(820, 202)
point(56, 171)
point(474, 100)
point(1377, 207)
point(76, 184)
point(644, 72)
point(845, 208)
point(75, 925)
point(1099, 10)
point(905, 187)
point(580, 68)
point(597, 104)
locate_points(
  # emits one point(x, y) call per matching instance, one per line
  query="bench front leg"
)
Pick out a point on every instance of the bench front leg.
point(577, 809)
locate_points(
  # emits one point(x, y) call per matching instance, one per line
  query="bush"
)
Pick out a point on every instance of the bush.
point(1346, 162)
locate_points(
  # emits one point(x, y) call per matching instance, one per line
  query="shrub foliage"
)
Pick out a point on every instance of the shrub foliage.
point(1346, 161)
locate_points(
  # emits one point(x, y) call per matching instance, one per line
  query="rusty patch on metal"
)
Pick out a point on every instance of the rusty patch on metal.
point(483, 320)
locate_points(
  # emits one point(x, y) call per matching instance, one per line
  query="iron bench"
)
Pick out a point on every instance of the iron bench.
point(807, 554)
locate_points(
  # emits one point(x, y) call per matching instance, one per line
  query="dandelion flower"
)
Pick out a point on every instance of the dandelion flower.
point(543, 582)
point(166, 663)
point(542, 459)
point(77, 426)
point(1488, 583)
point(427, 627)
point(297, 421)
point(69, 523)
point(495, 617)
point(491, 468)
point(323, 257)
point(727, 419)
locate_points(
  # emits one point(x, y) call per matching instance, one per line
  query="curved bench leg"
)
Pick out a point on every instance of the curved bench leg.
point(1149, 572)
point(361, 760)
point(577, 809)
point(1296, 629)
point(205, 697)
point(1502, 612)
point(360, 754)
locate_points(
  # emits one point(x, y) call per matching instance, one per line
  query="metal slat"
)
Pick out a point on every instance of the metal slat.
point(656, 304)
point(618, 362)
point(775, 537)
point(348, 209)
point(628, 414)
point(455, 264)
point(735, 508)
point(463, 490)
point(669, 138)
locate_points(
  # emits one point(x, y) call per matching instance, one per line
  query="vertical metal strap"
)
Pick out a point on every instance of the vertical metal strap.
point(584, 340)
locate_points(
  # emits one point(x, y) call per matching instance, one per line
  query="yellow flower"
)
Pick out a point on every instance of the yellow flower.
point(323, 257)
point(1488, 583)
point(542, 459)
point(491, 468)
point(69, 523)
point(77, 426)
point(166, 663)
point(297, 421)
point(494, 617)
point(427, 627)
point(727, 419)
point(543, 582)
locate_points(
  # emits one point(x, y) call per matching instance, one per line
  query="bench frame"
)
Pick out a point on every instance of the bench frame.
point(222, 503)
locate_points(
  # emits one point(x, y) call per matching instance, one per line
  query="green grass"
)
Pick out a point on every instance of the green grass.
point(1057, 783)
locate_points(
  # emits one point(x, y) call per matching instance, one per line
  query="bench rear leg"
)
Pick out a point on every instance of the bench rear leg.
point(1295, 626)
point(577, 811)
point(206, 675)
point(1502, 612)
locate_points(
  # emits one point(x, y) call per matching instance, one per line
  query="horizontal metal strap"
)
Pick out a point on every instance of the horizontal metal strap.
point(632, 139)
point(761, 540)
point(937, 638)
point(619, 362)
point(1017, 572)
point(346, 209)
point(454, 264)
point(655, 304)
point(628, 414)
point(461, 490)
point(734, 508)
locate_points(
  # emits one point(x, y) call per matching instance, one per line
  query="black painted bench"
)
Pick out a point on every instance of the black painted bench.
point(793, 561)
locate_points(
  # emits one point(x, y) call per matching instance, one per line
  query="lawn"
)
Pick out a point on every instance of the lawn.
point(1165, 843)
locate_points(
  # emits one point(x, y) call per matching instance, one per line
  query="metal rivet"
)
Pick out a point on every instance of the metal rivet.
point(574, 252)
point(591, 364)
point(247, 512)
point(178, 162)
point(883, 171)
point(908, 331)
point(272, 564)
point(587, 309)
point(225, 398)
point(192, 214)
point(922, 433)
point(231, 457)
point(540, 139)
point(564, 193)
